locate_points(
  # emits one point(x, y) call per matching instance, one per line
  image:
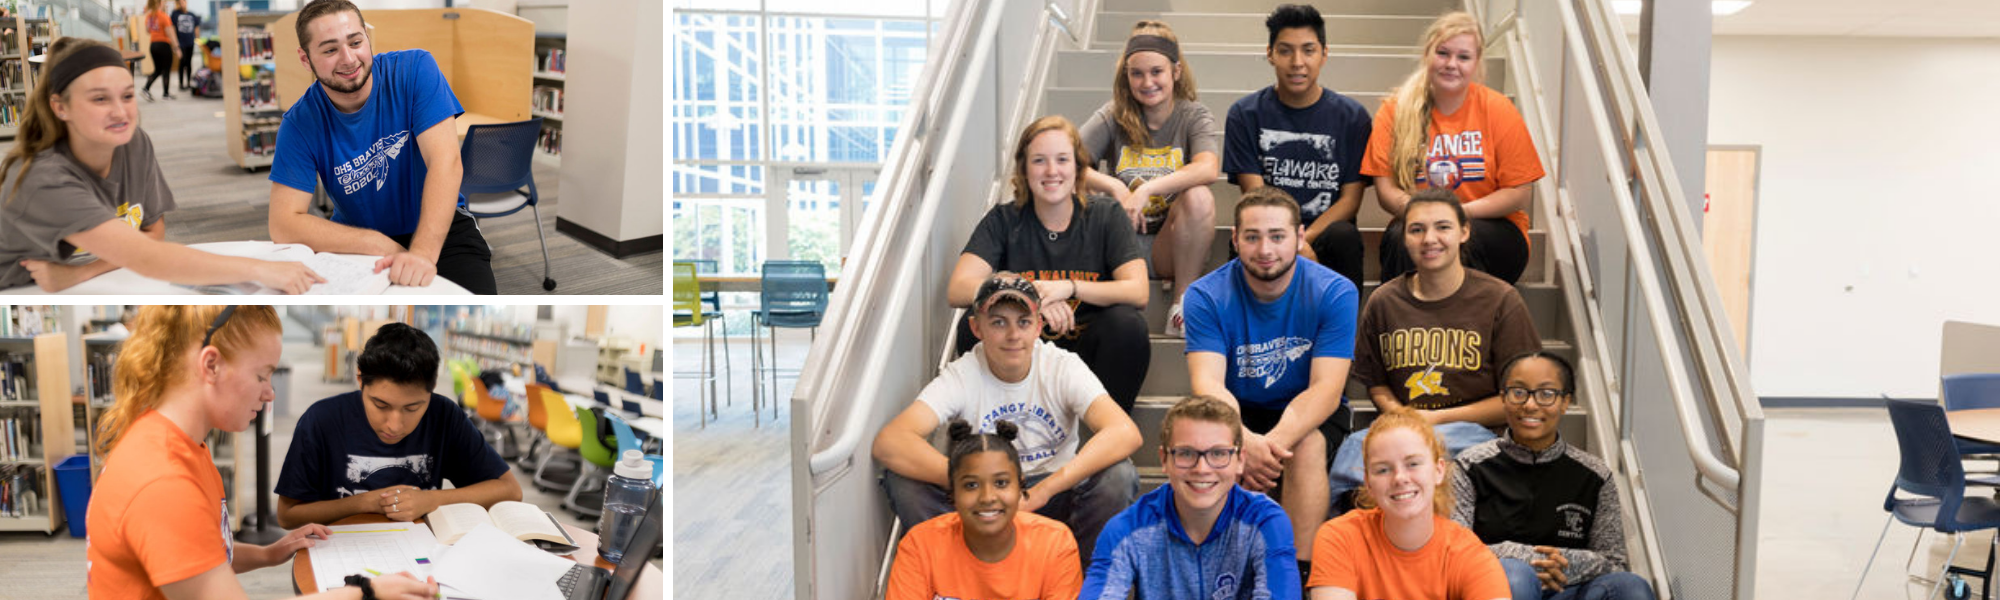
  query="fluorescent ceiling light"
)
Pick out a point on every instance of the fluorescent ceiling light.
point(1720, 8)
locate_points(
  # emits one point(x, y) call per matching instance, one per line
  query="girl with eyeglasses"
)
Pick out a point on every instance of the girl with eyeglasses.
point(1549, 510)
point(158, 522)
point(989, 549)
point(1201, 536)
point(1430, 339)
point(1401, 544)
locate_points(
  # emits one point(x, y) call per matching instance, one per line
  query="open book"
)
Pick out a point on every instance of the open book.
point(526, 522)
point(345, 275)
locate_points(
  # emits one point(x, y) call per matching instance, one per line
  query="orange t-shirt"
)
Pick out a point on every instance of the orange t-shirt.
point(1353, 552)
point(157, 514)
point(1484, 147)
point(161, 28)
point(933, 563)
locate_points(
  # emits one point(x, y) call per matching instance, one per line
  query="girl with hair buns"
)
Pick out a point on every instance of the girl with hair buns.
point(82, 175)
point(1164, 149)
point(158, 523)
point(988, 549)
point(1402, 543)
point(1442, 128)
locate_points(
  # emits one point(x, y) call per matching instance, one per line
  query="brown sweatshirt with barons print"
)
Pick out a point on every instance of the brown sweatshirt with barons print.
point(1443, 353)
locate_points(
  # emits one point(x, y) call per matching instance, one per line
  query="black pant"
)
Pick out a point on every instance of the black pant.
point(465, 260)
point(1339, 248)
point(163, 60)
point(1497, 248)
point(186, 69)
point(1112, 340)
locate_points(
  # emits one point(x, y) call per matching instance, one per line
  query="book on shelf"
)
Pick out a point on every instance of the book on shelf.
point(20, 435)
point(253, 44)
point(549, 99)
point(552, 61)
point(14, 377)
point(21, 492)
point(263, 142)
point(26, 321)
point(550, 141)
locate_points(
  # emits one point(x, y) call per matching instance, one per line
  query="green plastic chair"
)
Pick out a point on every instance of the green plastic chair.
point(688, 312)
point(598, 458)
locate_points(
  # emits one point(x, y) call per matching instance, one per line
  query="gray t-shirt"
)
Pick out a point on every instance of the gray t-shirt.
point(1190, 130)
point(60, 197)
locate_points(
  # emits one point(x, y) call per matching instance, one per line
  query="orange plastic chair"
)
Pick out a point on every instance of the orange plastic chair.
point(538, 418)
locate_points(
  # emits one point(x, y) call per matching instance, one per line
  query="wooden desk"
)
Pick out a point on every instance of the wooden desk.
point(1977, 424)
point(467, 120)
point(651, 584)
point(744, 283)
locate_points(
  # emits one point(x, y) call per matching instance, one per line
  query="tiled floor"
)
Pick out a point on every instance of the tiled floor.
point(1827, 472)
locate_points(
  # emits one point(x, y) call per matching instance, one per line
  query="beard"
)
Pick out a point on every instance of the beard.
point(1281, 271)
point(367, 71)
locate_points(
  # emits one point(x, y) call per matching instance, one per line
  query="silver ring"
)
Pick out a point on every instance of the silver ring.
point(395, 507)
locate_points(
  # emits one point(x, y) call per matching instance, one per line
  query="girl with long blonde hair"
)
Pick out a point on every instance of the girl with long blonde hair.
point(1164, 149)
point(158, 522)
point(1442, 128)
point(82, 175)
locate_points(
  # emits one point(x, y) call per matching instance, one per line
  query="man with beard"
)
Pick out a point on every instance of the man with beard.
point(1274, 336)
point(388, 448)
point(378, 132)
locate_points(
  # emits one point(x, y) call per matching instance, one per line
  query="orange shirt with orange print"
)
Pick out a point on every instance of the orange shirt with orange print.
point(157, 514)
point(1482, 148)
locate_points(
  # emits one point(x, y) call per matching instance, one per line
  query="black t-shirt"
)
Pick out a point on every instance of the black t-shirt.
point(1099, 240)
point(335, 454)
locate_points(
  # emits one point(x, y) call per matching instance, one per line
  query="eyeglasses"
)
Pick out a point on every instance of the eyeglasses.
point(1218, 458)
point(219, 320)
point(1519, 396)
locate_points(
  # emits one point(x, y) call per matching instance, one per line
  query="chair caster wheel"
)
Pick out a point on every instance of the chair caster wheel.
point(548, 284)
point(1955, 588)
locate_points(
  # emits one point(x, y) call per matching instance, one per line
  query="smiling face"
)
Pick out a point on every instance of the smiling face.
point(1267, 241)
point(1008, 332)
point(1530, 423)
point(99, 108)
point(339, 53)
point(394, 409)
point(1201, 488)
point(986, 489)
point(242, 384)
point(1432, 235)
point(1452, 63)
point(1151, 77)
point(1296, 57)
point(1402, 473)
point(1051, 167)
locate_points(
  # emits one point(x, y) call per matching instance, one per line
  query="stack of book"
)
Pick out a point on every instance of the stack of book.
point(21, 490)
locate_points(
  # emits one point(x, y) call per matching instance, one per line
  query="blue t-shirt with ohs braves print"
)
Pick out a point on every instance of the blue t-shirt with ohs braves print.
point(368, 160)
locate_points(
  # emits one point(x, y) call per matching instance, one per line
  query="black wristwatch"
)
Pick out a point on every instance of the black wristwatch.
point(367, 590)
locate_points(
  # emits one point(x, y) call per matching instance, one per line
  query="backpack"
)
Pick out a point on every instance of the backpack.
point(206, 84)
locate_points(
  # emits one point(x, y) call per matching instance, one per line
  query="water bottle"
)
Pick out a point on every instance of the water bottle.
point(625, 496)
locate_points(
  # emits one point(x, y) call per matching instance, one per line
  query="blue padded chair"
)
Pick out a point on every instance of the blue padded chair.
point(794, 294)
point(604, 398)
point(499, 159)
point(627, 440)
point(1931, 470)
point(633, 383)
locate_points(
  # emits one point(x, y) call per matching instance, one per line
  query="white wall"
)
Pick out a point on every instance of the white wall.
point(1873, 224)
point(614, 113)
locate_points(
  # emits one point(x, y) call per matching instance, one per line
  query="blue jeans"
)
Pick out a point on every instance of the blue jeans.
point(1085, 507)
point(1609, 586)
point(1345, 475)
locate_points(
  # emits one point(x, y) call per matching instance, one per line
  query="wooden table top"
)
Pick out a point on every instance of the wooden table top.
point(651, 582)
point(1977, 424)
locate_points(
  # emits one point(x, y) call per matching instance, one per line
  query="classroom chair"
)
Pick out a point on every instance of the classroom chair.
point(637, 385)
point(1931, 471)
point(627, 440)
point(794, 295)
point(493, 419)
point(598, 459)
point(623, 403)
point(565, 436)
point(1967, 391)
point(538, 423)
point(499, 159)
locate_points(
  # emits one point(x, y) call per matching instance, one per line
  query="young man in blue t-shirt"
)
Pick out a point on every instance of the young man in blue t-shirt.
point(379, 132)
point(1274, 335)
point(390, 447)
point(1304, 139)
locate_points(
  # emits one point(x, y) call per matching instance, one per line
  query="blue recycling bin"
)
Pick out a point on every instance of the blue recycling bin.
point(73, 483)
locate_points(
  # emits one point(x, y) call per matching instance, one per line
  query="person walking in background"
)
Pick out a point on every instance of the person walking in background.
point(186, 25)
point(159, 29)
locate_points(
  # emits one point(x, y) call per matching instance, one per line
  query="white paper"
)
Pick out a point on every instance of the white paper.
point(344, 275)
point(381, 547)
point(488, 563)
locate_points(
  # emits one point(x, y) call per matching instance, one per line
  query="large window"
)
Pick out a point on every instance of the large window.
point(782, 113)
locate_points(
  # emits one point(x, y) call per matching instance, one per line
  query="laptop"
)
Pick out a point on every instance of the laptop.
point(592, 583)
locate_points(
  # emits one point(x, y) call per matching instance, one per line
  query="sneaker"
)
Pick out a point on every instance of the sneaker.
point(1175, 328)
point(148, 94)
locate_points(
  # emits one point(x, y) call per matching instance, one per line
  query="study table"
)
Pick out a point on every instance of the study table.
point(1975, 424)
point(651, 582)
point(742, 283)
point(127, 281)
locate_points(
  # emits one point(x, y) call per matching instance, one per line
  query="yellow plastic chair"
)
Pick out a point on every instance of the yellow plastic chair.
point(688, 313)
point(538, 421)
point(565, 435)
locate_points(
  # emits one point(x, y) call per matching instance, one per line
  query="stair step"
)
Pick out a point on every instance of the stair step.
point(1151, 411)
point(1427, 8)
point(1249, 70)
point(1247, 29)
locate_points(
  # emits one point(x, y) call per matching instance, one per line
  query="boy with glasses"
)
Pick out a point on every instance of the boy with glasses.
point(1200, 537)
point(1046, 391)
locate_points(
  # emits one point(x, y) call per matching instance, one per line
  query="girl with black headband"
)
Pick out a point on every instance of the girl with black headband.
point(83, 176)
point(158, 524)
point(1164, 149)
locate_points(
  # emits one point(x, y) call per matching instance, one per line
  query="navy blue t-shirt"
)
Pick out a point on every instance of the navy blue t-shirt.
point(369, 160)
point(335, 454)
point(1308, 152)
point(186, 25)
